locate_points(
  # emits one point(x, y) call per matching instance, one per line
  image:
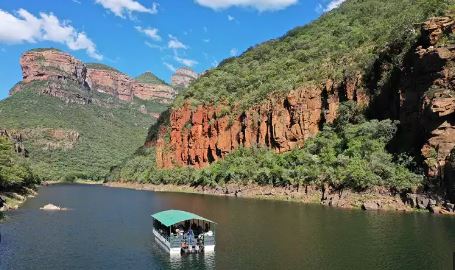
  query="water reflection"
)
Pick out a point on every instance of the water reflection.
point(192, 261)
point(112, 229)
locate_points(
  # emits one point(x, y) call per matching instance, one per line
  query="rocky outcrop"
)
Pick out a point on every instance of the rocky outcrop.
point(427, 96)
point(17, 140)
point(63, 76)
point(45, 64)
point(201, 136)
point(115, 83)
point(54, 73)
point(183, 77)
point(110, 82)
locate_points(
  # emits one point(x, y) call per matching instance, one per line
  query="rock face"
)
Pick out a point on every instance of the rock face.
point(51, 64)
point(427, 96)
point(60, 71)
point(183, 77)
point(17, 140)
point(199, 137)
point(117, 84)
point(423, 99)
point(55, 72)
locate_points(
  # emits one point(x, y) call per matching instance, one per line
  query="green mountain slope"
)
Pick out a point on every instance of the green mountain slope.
point(68, 140)
point(342, 43)
point(149, 77)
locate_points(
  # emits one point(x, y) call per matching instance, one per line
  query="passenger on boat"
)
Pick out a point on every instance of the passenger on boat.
point(190, 236)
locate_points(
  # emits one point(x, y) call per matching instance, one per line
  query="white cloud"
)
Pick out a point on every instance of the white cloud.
point(28, 28)
point(76, 1)
point(170, 67)
point(155, 8)
point(154, 46)
point(150, 32)
point(207, 40)
point(174, 43)
point(333, 4)
point(234, 52)
point(261, 5)
point(185, 62)
point(120, 7)
point(230, 18)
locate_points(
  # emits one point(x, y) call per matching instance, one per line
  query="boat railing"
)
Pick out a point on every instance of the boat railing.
point(176, 241)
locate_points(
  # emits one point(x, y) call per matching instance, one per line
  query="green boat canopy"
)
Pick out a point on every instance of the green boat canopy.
point(171, 217)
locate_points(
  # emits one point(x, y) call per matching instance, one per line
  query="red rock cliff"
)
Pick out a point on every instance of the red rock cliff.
point(48, 64)
point(201, 136)
point(54, 67)
point(196, 137)
point(126, 88)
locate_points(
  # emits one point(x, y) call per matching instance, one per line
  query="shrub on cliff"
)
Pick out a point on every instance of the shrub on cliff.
point(14, 172)
point(354, 156)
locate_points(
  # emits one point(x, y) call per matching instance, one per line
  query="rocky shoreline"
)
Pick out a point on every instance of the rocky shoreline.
point(373, 200)
point(12, 200)
point(379, 199)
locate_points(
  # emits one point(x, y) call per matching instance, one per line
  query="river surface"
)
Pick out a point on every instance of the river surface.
point(108, 228)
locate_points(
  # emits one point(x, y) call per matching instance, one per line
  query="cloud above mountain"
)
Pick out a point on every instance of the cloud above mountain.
point(333, 4)
point(122, 7)
point(261, 5)
point(174, 43)
point(25, 27)
point(150, 32)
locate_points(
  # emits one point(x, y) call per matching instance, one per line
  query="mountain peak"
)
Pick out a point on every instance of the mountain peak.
point(183, 77)
point(149, 78)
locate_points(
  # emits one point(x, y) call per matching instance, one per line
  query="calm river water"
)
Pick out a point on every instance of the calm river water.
point(110, 228)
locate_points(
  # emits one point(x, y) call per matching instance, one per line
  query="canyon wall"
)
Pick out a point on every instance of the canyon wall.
point(61, 71)
point(425, 105)
point(201, 136)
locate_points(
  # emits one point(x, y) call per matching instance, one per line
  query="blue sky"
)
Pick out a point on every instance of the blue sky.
point(135, 36)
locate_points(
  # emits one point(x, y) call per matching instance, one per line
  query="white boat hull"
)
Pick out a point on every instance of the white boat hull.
point(174, 251)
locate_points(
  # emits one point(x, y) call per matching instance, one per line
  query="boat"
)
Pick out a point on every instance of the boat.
point(181, 232)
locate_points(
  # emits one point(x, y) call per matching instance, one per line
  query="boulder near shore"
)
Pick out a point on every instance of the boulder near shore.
point(51, 207)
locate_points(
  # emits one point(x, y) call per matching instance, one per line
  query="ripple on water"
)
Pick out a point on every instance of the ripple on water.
point(110, 228)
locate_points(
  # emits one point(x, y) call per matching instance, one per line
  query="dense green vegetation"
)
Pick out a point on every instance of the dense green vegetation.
point(109, 131)
point(149, 77)
point(14, 171)
point(44, 49)
point(351, 153)
point(340, 44)
point(101, 66)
